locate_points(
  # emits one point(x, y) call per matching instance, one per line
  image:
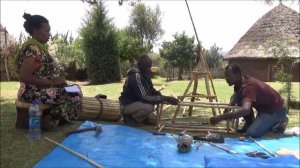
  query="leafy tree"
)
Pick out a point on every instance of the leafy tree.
point(22, 38)
point(67, 50)
point(7, 53)
point(129, 2)
point(214, 57)
point(284, 52)
point(166, 53)
point(145, 24)
point(99, 43)
point(180, 53)
point(129, 47)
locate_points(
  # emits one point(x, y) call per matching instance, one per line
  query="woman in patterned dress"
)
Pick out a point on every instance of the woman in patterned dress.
point(41, 78)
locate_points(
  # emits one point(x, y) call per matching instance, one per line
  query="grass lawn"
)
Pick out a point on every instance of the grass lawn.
point(17, 151)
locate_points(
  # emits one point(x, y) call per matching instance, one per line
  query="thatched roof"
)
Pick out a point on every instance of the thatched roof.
point(279, 24)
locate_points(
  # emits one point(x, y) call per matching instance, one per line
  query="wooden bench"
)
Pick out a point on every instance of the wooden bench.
point(22, 113)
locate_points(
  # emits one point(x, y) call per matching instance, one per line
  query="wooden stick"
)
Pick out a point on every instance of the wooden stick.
point(166, 107)
point(195, 116)
point(206, 105)
point(236, 127)
point(158, 115)
point(162, 127)
point(193, 126)
point(194, 129)
point(197, 96)
point(220, 147)
point(76, 153)
point(183, 112)
point(262, 146)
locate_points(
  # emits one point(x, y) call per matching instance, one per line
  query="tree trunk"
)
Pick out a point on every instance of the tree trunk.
point(173, 76)
point(289, 96)
point(169, 73)
point(190, 70)
point(6, 69)
point(180, 71)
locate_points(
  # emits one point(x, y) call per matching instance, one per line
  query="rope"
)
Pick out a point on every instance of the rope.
point(184, 143)
point(101, 108)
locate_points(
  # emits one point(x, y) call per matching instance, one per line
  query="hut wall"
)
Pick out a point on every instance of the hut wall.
point(296, 73)
point(257, 68)
point(263, 69)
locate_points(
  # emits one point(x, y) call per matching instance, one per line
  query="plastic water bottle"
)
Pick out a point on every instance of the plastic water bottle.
point(34, 121)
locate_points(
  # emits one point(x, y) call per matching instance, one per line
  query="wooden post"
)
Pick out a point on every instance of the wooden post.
point(201, 70)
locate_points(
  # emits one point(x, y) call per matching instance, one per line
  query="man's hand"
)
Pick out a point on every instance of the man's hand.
point(171, 100)
point(155, 92)
point(226, 111)
point(215, 120)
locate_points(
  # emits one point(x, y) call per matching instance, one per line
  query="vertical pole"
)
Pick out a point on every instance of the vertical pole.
point(187, 5)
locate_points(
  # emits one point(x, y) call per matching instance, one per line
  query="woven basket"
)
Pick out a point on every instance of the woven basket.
point(100, 109)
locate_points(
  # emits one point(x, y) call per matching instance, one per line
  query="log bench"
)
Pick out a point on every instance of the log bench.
point(92, 109)
point(22, 113)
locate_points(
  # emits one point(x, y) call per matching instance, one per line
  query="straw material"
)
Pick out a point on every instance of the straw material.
point(102, 109)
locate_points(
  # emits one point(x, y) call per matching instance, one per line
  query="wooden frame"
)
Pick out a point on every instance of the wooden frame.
point(201, 71)
point(231, 125)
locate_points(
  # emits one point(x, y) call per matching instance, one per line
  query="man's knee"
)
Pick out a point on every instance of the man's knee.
point(148, 108)
point(251, 133)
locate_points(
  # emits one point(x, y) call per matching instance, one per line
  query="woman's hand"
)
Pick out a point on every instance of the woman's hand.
point(59, 82)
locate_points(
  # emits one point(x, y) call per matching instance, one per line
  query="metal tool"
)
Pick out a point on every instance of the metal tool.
point(157, 133)
point(184, 142)
point(272, 154)
point(220, 147)
point(75, 153)
point(96, 128)
point(258, 154)
point(199, 144)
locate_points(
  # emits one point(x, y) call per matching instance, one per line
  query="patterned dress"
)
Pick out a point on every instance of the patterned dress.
point(65, 106)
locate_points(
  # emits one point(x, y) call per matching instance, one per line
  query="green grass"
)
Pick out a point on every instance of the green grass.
point(17, 151)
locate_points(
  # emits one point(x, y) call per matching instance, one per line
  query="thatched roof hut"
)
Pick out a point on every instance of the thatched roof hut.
point(280, 24)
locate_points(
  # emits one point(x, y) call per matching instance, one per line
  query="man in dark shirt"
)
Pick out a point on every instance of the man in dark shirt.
point(139, 96)
point(250, 92)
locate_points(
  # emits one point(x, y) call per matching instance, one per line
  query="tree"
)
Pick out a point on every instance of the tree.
point(214, 57)
point(166, 53)
point(129, 46)
point(145, 24)
point(284, 51)
point(67, 50)
point(8, 68)
point(130, 2)
point(180, 53)
point(99, 43)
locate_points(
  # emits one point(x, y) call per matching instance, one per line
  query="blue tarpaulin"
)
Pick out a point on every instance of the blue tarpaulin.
point(123, 146)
